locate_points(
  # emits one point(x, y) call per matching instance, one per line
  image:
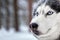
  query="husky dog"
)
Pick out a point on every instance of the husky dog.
point(45, 24)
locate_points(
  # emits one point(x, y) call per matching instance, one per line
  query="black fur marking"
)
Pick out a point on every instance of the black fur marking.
point(41, 2)
point(39, 5)
point(35, 14)
point(58, 38)
point(54, 4)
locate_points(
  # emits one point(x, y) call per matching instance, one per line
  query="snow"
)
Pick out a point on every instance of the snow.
point(24, 34)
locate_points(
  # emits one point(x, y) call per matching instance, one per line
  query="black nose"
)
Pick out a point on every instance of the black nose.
point(33, 25)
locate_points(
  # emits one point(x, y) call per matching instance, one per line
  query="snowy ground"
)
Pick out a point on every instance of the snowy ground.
point(11, 35)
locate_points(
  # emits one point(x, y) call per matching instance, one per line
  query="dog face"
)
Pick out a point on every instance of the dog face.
point(45, 22)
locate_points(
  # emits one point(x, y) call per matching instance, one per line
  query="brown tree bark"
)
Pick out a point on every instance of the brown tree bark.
point(16, 16)
point(30, 10)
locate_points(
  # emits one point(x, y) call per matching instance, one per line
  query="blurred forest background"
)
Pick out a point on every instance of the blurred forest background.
point(15, 16)
point(14, 13)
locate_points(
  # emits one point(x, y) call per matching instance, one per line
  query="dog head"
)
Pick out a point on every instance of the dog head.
point(46, 21)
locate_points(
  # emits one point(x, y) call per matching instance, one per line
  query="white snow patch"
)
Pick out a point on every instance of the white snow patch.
point(12, 35)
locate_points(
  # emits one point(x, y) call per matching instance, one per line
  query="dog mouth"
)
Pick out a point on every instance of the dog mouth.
point(36, 32)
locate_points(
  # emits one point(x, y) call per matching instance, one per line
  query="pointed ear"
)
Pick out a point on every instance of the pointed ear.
point(54, 4)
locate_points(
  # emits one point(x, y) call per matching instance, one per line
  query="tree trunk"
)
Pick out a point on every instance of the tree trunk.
point(0, 15)
point(30, 10)
point(7, 15)
point(16, 16)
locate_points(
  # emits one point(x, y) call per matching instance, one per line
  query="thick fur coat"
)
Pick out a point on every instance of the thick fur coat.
point(47, 18)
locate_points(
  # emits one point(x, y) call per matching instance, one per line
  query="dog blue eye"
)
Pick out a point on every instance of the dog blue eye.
point(49, 13)
point(36, 14)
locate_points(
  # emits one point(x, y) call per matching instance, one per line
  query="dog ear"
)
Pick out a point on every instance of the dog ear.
point(54, 4)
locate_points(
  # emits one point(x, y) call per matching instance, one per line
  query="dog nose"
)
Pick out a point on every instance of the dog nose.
point(33, 25)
